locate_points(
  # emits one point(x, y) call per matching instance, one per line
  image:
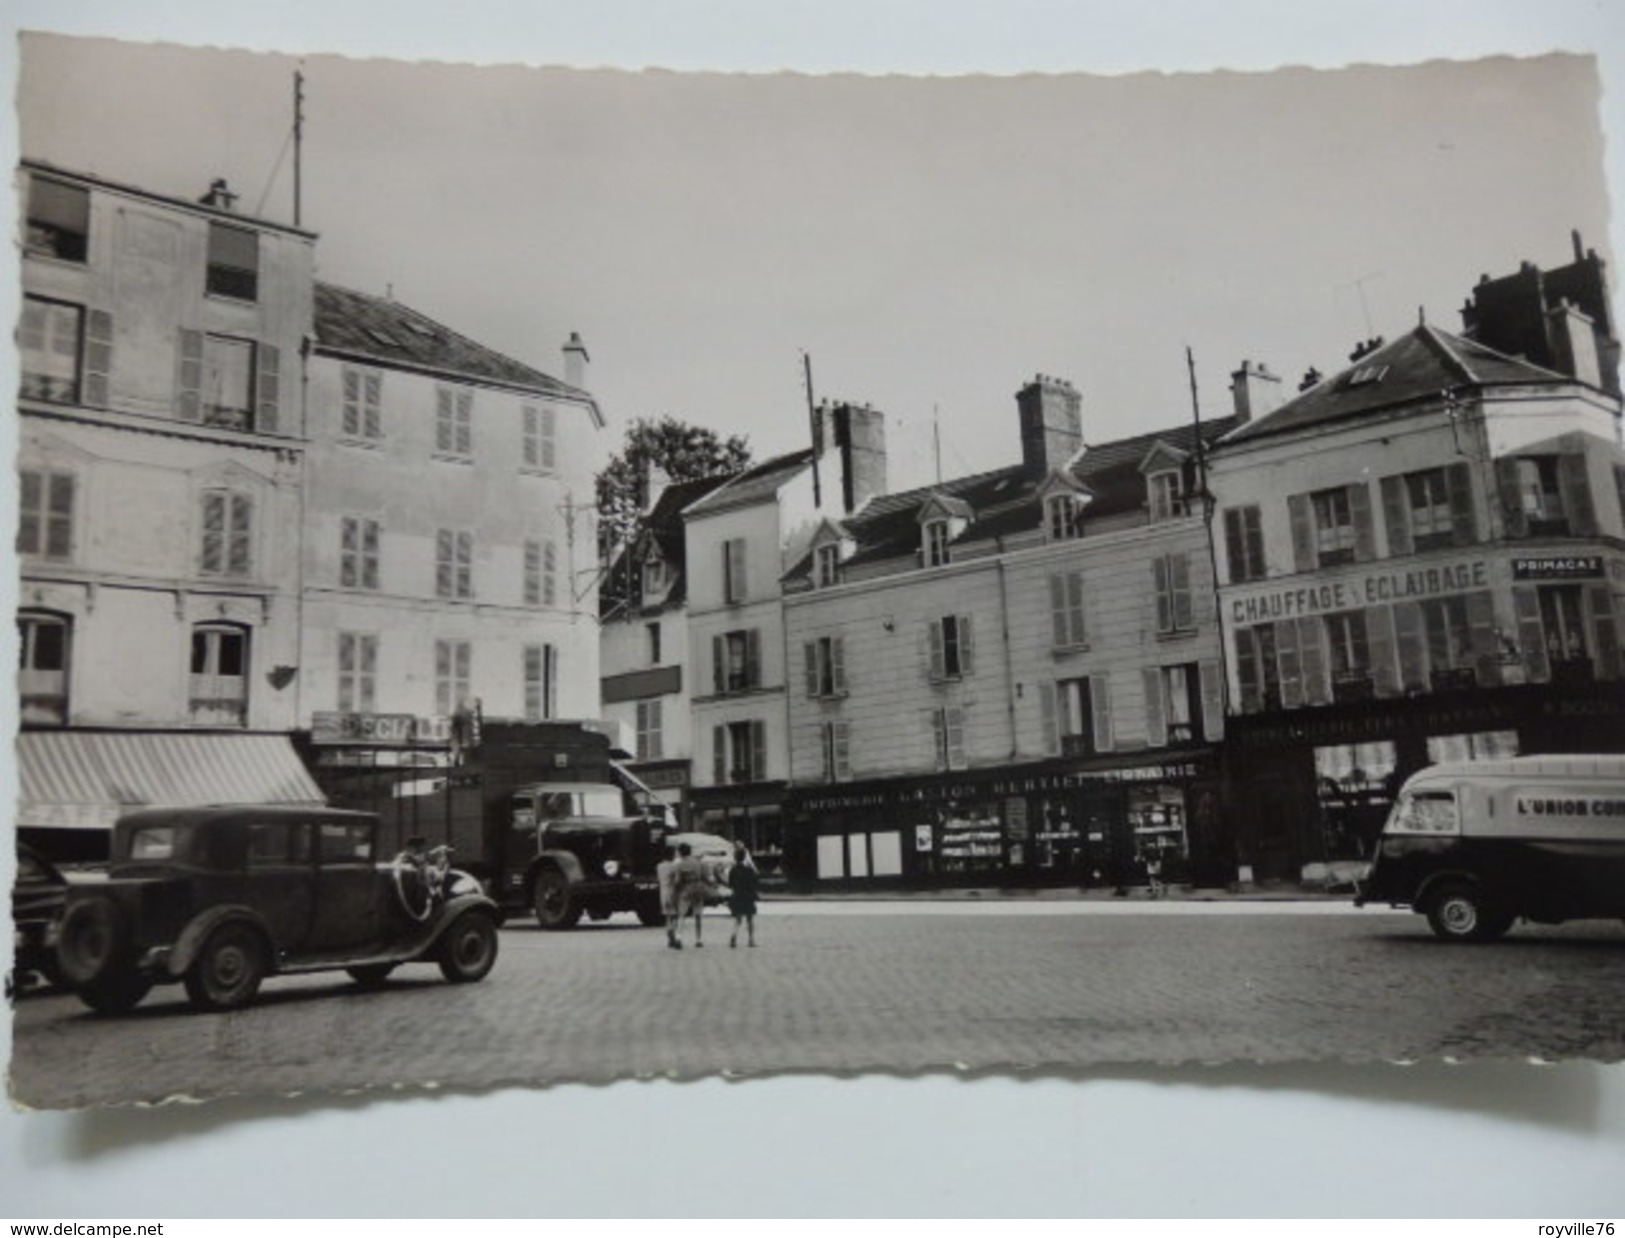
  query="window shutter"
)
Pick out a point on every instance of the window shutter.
point(1619, 487)
point(1411, 641)
point(1380, 633)
point(1212, 678)
point(939, 737)
point(1100, 701)
point(1605, 635)
point(1365, 538)
point(736, 567)
point(1164, 594)
point(444, 435)
point(719, 664)
point(1515, 519)
point(1531, 634)
point(1481, 632)
point(374, 387)
point(1235, 544)
point(843, 750)
point(934, 629)
point(349, 549)
point(269, 389)
point(1286, 650)
point(810, 651)
point(549, 439)
point(753, 658)
point(1179, 581)
point(1464, 521)
point(550, 568)
point(1574, 484)
point(1303, 532)
point(955, 719)
point(1249, 675)
point(1396, 515)
point(1049, 718)
point(719, 755)
point(966, 660)
point(1156, 721)
point(465, 565)
point(350, 416)
point(758, 751)
point(190, 381)
point(1074, 588)
point(1312, 660)
point(98, 357)
point(837, 653)
point(465, 423)
point(1058, 613)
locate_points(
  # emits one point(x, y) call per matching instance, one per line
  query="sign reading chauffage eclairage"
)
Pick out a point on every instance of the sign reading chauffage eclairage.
point(380, 730)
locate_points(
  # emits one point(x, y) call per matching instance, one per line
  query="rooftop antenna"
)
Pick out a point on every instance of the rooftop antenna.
point(813, 429)
point(298, 138)
point(936, 442)
point(1359, 287)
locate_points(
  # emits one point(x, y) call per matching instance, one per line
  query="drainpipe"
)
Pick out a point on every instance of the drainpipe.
point(1004, 632)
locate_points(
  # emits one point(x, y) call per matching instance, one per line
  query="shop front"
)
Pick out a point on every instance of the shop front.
point(752, 814)
point(1308, 790)
point(1055, 823)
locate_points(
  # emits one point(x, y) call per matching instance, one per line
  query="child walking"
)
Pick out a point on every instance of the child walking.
point(743, 881)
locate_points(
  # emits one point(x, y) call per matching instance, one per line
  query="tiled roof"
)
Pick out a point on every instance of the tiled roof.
point(1418, 365)
point(391, 333)
point(759, 482)
point(665, 525)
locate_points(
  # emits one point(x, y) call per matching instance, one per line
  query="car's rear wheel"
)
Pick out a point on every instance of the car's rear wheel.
point(115, 992)
point(468, 951)
point(228, 972)
point(370, 975)
point(554, 900)
point(1460, 912)
point(91, 941)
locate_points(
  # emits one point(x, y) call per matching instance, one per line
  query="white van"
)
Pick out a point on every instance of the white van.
point(1475, 845)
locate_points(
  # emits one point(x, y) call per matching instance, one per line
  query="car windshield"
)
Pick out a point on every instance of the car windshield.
point(153, 842)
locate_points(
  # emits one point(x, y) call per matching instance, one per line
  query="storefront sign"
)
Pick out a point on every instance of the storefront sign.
point(940, 792)
point(1556, 567)
point(1356, 592)
point(378, 730)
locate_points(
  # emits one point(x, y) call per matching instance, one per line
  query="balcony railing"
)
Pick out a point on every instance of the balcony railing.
point(1454, 679)
point(1347, 689)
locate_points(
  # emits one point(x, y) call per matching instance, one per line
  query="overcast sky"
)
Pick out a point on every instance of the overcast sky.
point(932, 243)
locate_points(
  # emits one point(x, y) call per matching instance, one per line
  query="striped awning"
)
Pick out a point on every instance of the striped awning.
point(88, 779)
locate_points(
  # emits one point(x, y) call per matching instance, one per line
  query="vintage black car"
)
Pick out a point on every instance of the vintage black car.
point(37, 899)
point(220, 898)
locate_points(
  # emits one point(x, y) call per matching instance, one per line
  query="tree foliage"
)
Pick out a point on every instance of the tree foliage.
point(682, 451)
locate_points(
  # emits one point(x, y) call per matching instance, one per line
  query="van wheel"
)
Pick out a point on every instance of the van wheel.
point(554, 900)
point(1461, 913)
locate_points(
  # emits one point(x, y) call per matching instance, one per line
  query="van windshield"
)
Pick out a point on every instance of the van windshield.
point(1425, 812)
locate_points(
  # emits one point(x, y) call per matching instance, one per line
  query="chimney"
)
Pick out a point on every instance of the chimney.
point(1574, 343)
point(1255, 391)
point(860, 437)
point(1051, 423)
point(575, 362)
point(219, 195)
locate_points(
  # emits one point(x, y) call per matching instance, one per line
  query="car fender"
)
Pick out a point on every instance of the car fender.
point(456, 907)
point(1448, 876)
point(190, 941)
point(567, 862)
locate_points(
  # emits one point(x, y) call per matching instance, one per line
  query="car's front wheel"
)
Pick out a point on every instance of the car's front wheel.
point(228, 972)
point(554, 900)
point(468, 951)
point(115, 992)
point(92, 941)
point(1460, 912)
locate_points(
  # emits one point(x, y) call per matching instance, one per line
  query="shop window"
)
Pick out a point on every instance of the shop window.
point(834, 741)
point(972, 838)
point(44, 645)
point(1171, 580)
point(1350, 656)
point(227, 521)
point(452, 664)
point(362, 416)
point(454, 424)
point(358, 672)
point(1066, 610)
point(218, 694)
point(935, 545)
point(1063, 517)
point(650, 747)
point(825, 660)
point(454, 564)
point(540, 438)
point(948, 736)
point(58, 220)
point(951, 647)
point(1244, 543)
point(45, 513)
point(358, 553)
point(541, 676)
point(1355, 785)
point(1478, 746)
point(1166, 495)
point(234, 263)
point(736, 661)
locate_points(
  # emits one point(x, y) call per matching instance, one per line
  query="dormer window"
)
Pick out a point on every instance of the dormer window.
point(936, 543)
point(1167, 495)
point(827, 565)
point(1063, 517)
point(654, 575)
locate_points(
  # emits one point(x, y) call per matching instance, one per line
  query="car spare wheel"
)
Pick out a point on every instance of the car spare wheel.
point(91, 941)
point(554, 900)
point(468, 950)
point(229, 969)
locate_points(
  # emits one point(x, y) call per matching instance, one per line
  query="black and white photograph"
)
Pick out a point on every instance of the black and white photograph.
point(533, 575)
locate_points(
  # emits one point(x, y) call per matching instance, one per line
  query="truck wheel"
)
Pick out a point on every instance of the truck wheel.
point(115, 992)
point(468, 951)
point(554, 900)
point(228, 972)
point(1459, 912)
